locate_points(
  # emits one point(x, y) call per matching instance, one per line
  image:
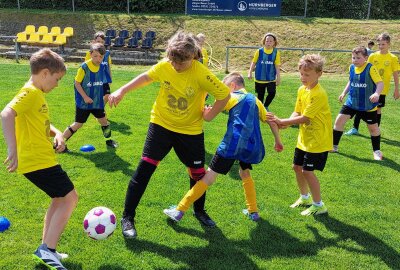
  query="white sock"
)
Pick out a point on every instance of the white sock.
point(305, 197)
point(319, 204)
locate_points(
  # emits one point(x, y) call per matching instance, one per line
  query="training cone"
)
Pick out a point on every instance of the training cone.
point(4, 224)
point(87, 148)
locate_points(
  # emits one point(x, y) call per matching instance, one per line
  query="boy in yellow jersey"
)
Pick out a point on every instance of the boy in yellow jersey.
point(242, 141)
point(204, 54)
point(99, 37)
point(27, 130)
point(364, 87)
point(89, 82)
point(388, 66)
point(176, 120)
point(313, 115)
point(266, 63)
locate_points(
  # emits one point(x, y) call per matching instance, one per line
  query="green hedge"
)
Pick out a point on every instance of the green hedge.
point(355, 9)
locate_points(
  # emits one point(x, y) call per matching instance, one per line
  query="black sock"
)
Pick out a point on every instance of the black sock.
point(336, 136)
point(52, 250)
point(376, 142)
point(357, 120)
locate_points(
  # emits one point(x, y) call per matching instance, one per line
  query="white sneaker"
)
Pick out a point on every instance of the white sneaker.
point(61, 256)
point(378, 155)
point(44, 256)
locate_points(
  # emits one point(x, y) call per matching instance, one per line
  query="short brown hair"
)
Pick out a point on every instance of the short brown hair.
point(235, 77)
point(183, 47)
point(384, 37)
point(97, 46)
point(46, 59)
point(270, 35)
point(360, 49)
point(312, 61)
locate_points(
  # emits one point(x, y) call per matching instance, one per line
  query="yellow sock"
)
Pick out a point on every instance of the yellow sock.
point(193, 194)
point(250, 194)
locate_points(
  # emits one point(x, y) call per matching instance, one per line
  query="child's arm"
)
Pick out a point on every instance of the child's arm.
point(138, 82)
point(396, 93)
point(345, 91)
point(8, 122)
point(275, 131)
point(59, 141)
point(375, 96)
point(80, 90)
point(294, 119)
point(278, 75)
point(210, 113)
point(251, 69)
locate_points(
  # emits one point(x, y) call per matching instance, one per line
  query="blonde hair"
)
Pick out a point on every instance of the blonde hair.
point(97, 46)
point(99, 34)
point(269, 35)
point(235, 77)
point(312, 61)
point(384, 37)
point(183, 47)
point(46, 59)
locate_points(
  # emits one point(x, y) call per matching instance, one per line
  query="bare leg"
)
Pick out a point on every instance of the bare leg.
point(313, 184)
point(301, 180)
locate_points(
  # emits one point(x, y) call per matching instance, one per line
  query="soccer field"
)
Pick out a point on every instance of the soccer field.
point(362, 195)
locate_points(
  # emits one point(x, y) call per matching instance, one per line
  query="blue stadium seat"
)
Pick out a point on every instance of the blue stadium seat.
point(123, 34)
point(119, 42)
point(137, 34)
point(147, 43)
point(151, 34)
point(133, 42)
point(107, 41)
point(111, 33)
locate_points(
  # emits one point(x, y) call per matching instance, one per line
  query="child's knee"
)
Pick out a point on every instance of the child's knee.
point(297, 168)
point(244, 174)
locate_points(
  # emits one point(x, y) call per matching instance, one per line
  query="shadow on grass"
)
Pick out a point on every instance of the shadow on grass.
point(120, 127)
point(107, 161)
point(266, 241)
point(370, 244)
point(386, 162)
point(390, 142)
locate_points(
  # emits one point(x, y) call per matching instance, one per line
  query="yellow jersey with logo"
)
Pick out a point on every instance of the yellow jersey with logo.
point(386, 64)
point(316, 136)
point(32, 129)
point(180, 101)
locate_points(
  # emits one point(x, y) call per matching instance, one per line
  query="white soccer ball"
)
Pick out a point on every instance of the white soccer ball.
point(99, 223)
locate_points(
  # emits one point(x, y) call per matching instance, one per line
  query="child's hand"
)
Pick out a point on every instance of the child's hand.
point(250, 75)
point(115, 98)
point(374, 97)
point(11, 161)
point(59, 142)
point(88, 100)
point(206, 110)
point(278, 146)
point(341, 97)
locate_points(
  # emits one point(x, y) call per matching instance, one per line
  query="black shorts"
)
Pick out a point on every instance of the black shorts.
point(382, 101)
point(310, 161)
point(53, 181)
point(368, 117)
point(106, 89)
point(222, 165)
point(189, 148)
point(82, 115)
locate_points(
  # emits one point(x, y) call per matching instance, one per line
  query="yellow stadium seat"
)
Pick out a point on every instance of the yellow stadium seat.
point(47, 39)
point(60, 40)
point(68, 31)
point(42, 30)
point(33, 38)
point(29, 29)
point(55, 31)
point(21, 37)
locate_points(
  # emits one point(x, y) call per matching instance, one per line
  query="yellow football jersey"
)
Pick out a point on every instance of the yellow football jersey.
point(32, 128)
point(180, 101)
point(315, 137)
point(386, 65)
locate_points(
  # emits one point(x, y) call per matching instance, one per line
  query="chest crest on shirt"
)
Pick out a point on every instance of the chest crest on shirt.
point(189, 92)
point(167, 85)
point(43, 109)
